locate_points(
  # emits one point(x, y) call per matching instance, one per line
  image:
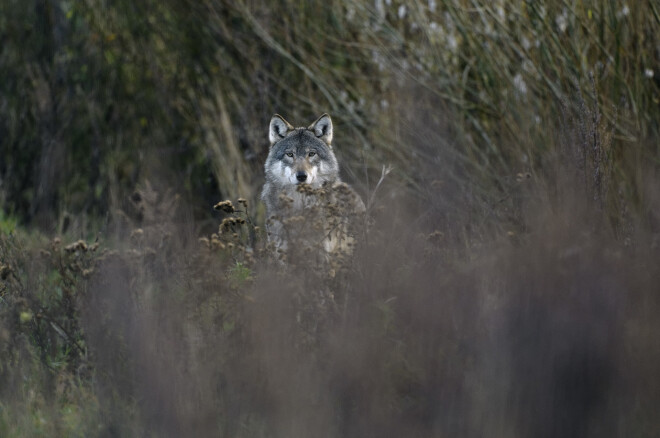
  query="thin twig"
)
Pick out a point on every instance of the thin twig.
point(384, 172)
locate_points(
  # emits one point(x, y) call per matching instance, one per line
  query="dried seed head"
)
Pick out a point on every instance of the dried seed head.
point(225, 206)
point(435, 237)
point(286, 200)
point(305, 188)
point(294, 220)
point(75, 246)
point(227, 223)
point(86, 273)
point(216, 244)
point(520, 177)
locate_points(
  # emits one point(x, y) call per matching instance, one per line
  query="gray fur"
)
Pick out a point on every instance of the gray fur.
point(300, 142)
point(295, 151)
point(322, 128)
point(278, 128)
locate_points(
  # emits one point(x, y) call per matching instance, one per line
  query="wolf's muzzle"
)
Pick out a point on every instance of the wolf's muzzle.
point(301, 176)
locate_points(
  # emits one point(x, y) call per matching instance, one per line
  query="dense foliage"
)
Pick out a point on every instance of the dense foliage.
point(507, 285)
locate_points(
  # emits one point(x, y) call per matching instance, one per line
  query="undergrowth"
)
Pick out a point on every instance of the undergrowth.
point(545, 329)
point(506, 283)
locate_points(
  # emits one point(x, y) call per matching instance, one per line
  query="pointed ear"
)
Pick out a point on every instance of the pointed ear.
point(278, 128)
point(322, 128)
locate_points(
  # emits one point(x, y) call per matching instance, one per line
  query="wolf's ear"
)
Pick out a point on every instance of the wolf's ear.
point(322, 128)
point(278, 129)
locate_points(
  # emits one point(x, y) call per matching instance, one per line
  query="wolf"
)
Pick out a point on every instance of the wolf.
point(307, 204)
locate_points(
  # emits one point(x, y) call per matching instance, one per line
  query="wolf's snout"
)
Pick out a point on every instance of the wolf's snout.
point(301, 176)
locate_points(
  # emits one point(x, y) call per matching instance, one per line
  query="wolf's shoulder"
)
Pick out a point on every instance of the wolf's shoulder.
point(347, 197)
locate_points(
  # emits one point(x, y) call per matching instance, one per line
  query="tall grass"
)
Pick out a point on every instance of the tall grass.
point(105, 92)
point(506, 286)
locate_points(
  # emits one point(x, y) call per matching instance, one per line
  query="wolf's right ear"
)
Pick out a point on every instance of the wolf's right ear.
point(278, 129)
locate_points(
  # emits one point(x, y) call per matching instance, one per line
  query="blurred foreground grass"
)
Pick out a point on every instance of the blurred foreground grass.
point(508, 287)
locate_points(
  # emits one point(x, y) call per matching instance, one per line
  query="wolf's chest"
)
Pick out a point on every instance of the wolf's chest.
point(297, 203)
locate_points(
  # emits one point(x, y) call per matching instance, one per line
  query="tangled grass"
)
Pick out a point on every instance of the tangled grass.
point(507, 284)
point(188, 87)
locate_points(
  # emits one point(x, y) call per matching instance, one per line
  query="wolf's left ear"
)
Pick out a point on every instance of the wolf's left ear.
point(278, 128)
point(322, 128)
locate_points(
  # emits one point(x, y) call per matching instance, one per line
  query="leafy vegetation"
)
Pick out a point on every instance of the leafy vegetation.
point(507, 285)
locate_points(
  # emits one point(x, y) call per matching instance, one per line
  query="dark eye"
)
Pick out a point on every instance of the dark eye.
point(289, 154)
point(311, 154)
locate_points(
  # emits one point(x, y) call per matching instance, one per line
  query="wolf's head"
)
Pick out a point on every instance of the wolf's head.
point(301, 155)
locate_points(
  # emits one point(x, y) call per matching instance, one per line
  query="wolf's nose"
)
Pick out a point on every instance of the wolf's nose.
point(301, 176)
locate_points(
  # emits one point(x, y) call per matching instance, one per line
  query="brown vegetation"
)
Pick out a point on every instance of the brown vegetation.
point(507, 285)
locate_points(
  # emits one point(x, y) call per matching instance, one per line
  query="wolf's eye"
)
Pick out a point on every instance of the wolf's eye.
point(289, 154)
point(311, 154)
